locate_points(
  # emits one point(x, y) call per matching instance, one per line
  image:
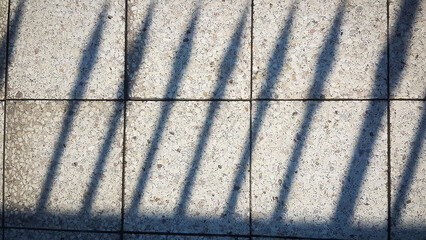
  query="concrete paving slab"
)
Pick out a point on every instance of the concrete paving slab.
point(175, 237)
point(407, 49)
point(64, 164)
point(57, 235)
point(180, 178)
point(301, 161)
point(67, 50)
point(408, 162)
point(193, 49)
point(3, 43)
point(331, 51)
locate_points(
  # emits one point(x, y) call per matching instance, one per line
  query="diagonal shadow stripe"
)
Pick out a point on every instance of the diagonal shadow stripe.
point(323, 68)
point(410, 167)
point(367, 136)
point(9, 40)
point(275, 65)
point(179, 66)
point(86, 65)
point(226, 68)
point(136, 53)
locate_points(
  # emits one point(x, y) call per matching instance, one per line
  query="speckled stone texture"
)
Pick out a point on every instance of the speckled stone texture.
point(407, 69)
point(181, 145)
point(61, 46)
point(1, 149)
point(174, 237)
point(202, 54)
point(408, 161)
point(3, 41)
point(37, 138)
point(347, 51)
point(315, 162)
point(57, 235)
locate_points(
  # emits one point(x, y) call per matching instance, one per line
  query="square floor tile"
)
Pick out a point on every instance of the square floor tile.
point(57, 235)
point(319, 50)
point(64, 164)
point(182, 178)
point(189, 49)
point(174, 237)
point(408, 162)
point(3, 43)
point(407, 49)
point(301, 160)
point(67, 49)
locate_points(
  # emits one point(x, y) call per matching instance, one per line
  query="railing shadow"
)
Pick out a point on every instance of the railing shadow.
point(323, 68)
point(372, 123)
point(408, 173)
point(86, 65)
point(8, 41)
point(136, 54)
point(226, 68)
point(361, 154)
point(178, 69)
point(275, 65)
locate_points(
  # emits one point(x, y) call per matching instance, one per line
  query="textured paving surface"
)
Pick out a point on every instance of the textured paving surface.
point(3, 43)
point(294, 169)
point(213, 120)
point(60, 44)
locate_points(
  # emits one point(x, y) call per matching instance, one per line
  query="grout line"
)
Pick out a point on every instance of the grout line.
point(65, 99)
point(250, 118)
point(161, 233)
point(389, 169)
point(61, 230)
point(125, 96)
point(6, 65)
point(223, 99)
point(123, 170)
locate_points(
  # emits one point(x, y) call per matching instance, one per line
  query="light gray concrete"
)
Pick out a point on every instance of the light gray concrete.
point(407, 71)
point(359, 40)
point(408, 161)
point(202, 49)
point(164, 205)
point(3, 45)
point(166, 160)
point(60, 45)
point(310, 166)
point(39, 138)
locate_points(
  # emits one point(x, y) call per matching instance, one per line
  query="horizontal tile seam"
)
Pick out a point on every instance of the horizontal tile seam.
point(218, 100)
point(148, 233)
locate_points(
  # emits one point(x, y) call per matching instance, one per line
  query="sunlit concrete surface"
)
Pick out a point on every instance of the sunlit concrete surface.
point(359, 35)
point(3, 43)
point(408, 159)
point(410, 82)
point(186, 179)
point(74, 165)
point(209, 40)
point(305, 180)
point(212, 120)
point(61, 43)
